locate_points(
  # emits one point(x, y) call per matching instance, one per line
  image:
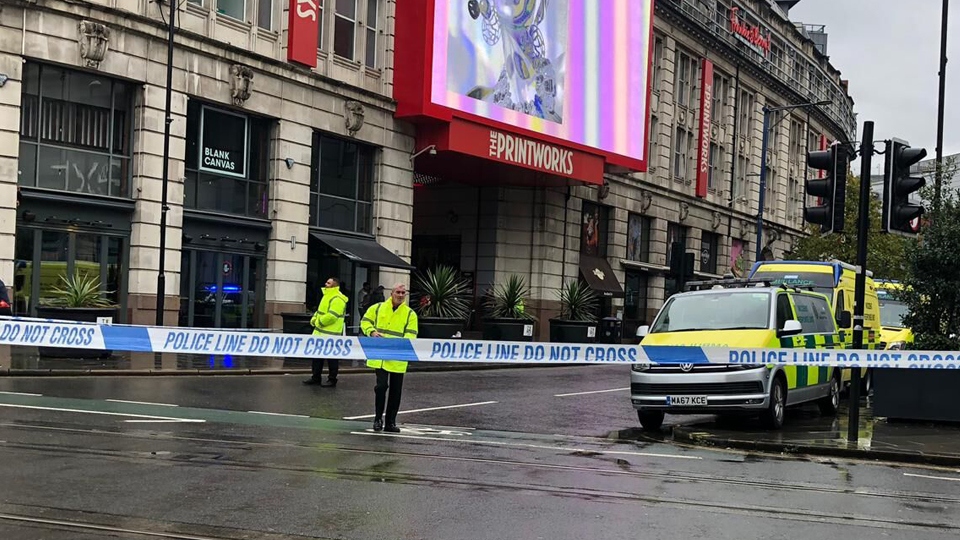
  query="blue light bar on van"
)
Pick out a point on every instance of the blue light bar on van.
point(226, 288)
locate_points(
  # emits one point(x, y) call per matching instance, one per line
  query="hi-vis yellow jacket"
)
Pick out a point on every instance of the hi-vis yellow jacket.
point(391, 323)
point(328, 320)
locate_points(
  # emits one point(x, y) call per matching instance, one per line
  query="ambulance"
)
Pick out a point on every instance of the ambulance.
point(893, 333)
point(740, 314)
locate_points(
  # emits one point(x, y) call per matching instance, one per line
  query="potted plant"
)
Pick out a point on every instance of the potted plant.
point(443, 306)
point(577, 322)
point(508, 320)
point(78, 299)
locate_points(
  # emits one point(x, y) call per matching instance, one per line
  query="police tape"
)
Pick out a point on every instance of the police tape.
point(151, 339)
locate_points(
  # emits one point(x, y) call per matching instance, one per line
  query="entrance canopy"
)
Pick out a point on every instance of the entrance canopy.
point(599, 276)
point(362, 250)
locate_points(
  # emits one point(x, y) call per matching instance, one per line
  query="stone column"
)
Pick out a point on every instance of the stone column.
point(11, 65)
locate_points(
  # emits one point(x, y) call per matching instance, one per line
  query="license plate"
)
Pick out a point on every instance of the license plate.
point(686, 401)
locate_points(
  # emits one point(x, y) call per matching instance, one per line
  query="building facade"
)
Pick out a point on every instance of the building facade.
point(715, 66)
point(292, 159)
point(285, 158)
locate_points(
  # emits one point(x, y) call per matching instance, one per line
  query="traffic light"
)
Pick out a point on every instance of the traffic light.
point(900, 216)
point(831, 189)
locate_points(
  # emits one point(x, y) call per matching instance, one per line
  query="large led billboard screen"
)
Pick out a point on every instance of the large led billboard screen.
point(573, 70)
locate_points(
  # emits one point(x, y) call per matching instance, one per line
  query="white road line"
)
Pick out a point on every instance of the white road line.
point(142, 403)
point(593, 392)
point(425, 410)
point(525, 445)
point(947, 478)
point(172, 420)
point(105, 413)
point(20, 394)
point(279, 414)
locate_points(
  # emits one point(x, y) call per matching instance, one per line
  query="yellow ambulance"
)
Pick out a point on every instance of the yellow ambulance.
point(893, 334)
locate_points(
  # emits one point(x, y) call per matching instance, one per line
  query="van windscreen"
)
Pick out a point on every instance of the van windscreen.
point(819, 282)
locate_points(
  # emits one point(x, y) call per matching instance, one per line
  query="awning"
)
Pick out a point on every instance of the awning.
point(599, 276)
point(362, 250)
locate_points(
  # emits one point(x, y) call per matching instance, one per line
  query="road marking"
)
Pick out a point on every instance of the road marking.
point(95, 527)
point(527, 445)
point(593, 392)
point(20, 394)
point(279, 414)
point(142, 403)
point(425, 410)
point(105, 413)
point(148, 421)
point(947, 478)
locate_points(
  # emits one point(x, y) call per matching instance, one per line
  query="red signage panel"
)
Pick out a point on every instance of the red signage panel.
point(706, 119)
point(303, 32)
point(509, 148)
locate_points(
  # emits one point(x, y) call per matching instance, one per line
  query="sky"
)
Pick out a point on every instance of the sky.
point(889, 50)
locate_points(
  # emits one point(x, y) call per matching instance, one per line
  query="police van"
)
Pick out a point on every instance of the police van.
point(741, 314)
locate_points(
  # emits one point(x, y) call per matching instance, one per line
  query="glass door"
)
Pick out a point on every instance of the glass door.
point(221, 290)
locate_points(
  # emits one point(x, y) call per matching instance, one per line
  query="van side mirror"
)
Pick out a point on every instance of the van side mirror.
point(790, 328)
point(846, 319)
point(643, 331)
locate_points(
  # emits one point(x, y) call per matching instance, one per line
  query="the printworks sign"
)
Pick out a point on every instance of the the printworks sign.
point(223, 143)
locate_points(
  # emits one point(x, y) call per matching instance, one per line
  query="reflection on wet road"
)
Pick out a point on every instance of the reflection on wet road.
point(264, 457)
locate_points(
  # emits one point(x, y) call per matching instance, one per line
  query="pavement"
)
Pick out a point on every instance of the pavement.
point(525, 454)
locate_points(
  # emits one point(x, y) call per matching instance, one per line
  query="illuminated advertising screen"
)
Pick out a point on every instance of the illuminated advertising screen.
point(576, 70)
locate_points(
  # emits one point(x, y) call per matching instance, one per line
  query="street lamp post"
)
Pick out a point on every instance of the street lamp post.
point(763, 161)
point(161, 277)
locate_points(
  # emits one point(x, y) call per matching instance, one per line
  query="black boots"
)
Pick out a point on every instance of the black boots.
point(378, 425)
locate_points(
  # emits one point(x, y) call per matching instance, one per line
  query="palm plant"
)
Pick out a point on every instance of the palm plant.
point(79, 291)
point(444, 293)
point(507, 300)
point(578, 302)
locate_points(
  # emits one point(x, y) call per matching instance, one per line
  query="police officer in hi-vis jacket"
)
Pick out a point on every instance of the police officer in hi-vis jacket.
point(391, 318)
point(328, 321)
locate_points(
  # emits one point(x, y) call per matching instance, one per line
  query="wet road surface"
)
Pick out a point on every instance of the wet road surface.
point(501, 454)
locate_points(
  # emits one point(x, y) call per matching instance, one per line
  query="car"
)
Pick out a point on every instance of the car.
point(741, 314)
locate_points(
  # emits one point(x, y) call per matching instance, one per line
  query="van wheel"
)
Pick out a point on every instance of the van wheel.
point(830, 403)
point(772, 418)
point(650, 420)
point(866, 384)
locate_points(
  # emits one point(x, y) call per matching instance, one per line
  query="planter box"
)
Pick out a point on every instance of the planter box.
point(439, 328)
point(573, 331)
point(89, 315)
point(916, 394)
point(508, 330)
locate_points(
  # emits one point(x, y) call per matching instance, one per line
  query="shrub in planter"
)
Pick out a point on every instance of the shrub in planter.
point(77, 299)
point(443, 307)
point(508, 320)
point(577, 322)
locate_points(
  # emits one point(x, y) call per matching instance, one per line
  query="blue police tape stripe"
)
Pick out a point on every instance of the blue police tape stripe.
point(676, 355)
point(126, 338)
point(129, 338)
point(389, 349)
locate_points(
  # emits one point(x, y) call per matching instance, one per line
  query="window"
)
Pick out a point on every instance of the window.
point(74, 132)
point(721, 97)
point(709, 245)
point(635, 300)
point(682, 150)
point(770, 197)
point(344, 29)
point(654, 134)
point(794, 204)
point(740, 182)
point(719, 310)
point(717, 159)
point(235, 9)
point(265, 14)
point(371, 23)
point(341, 185)
point(226, 161)
point(657, 62)
point(320, 34)
point(675, 233)
point(747, 113)
point(638, 238)
point(773, 134)
point(685, 72)
point(784, 311)
point(776, 56)
point(593, 229)
point(796, 141)
point(722, 16)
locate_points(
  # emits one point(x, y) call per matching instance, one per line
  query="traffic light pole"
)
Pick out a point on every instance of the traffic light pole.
point(863, 228)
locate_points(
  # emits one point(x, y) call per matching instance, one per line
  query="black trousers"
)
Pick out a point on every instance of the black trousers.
point(393, 382)
point(317, 368)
